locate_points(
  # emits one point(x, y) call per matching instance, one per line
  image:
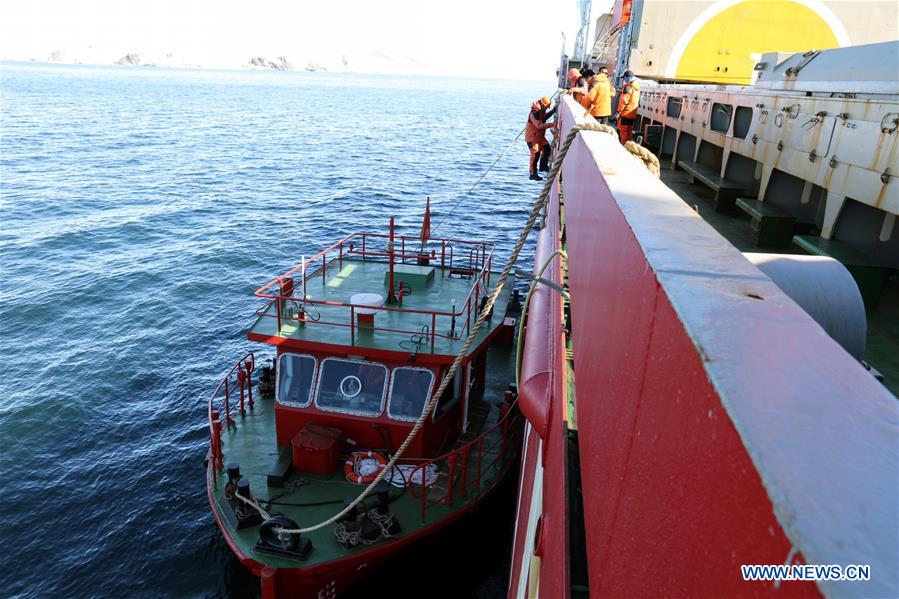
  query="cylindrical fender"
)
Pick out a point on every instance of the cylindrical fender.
point(542, 332)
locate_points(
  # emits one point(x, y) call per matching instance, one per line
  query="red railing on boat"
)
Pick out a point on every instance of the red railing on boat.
point(474, 261)
point(491, 452)
point(239, 380)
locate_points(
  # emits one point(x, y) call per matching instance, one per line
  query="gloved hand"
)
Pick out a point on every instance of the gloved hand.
point(615, 116)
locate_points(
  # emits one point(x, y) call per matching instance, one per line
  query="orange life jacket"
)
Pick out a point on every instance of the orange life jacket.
point(601, 97)
point(583, 99)
point(535, 130)
point(630, 100)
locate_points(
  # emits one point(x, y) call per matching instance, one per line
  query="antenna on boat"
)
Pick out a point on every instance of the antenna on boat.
point(391, 298)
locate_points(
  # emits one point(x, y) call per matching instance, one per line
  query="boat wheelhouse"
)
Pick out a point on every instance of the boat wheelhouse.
point(364, 332)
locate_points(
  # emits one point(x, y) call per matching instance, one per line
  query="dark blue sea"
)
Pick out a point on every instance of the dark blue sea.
point(140, 210)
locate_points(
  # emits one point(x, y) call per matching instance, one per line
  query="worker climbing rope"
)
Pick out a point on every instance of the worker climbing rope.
point(487, 171)
point(536, 211)
point(535, 135)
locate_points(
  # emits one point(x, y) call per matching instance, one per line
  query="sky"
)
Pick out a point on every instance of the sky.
point(514, 39)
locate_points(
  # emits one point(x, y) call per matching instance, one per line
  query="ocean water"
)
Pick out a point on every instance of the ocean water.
point(140, 209)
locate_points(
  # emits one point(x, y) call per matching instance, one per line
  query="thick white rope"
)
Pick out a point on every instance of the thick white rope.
point(649, 160)
point(491, 300)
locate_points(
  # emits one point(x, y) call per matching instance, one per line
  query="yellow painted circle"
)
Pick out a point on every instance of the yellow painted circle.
point(747, 28)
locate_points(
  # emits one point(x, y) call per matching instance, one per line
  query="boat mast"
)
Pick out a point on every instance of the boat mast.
point(391, 298)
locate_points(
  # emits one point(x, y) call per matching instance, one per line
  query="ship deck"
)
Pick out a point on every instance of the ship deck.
point(251, 443)
point(406, 329)
point(882, 351)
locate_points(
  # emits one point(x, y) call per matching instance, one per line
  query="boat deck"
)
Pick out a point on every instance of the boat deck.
point(251, 443)
point(882, 351)
point(405, 329)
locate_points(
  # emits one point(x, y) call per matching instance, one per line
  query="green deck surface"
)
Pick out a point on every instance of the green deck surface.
point(368, 276)
point(883, 322)
point(252, 444)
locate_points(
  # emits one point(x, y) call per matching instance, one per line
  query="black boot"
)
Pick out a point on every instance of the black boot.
point(544, 160)
point(536, 177)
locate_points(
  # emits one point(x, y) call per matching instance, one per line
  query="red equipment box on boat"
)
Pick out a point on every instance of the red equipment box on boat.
point(316, 448)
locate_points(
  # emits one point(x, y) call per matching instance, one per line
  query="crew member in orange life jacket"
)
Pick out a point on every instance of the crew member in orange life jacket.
point(577, 86)
point(535, 136)
point(627, 106)
point(600, 97)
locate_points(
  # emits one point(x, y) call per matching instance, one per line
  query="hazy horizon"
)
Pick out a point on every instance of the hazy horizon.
point(506, 39)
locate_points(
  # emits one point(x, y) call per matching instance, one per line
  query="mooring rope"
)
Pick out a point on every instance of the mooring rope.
point(536, 209)
point(481, 178)
point(650, 160)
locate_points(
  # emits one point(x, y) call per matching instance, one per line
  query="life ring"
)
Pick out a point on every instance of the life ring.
point(362, 467)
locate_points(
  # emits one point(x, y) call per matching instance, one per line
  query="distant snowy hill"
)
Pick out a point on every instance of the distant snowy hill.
point(365, 62)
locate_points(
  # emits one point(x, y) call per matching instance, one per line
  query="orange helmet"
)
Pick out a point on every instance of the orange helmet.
point(573, 74)
point(545, 101)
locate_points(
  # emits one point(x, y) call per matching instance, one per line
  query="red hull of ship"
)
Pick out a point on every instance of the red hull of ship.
point(707, 439)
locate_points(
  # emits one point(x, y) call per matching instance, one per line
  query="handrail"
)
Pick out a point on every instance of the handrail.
point(478, 264)
point(459, 458)
point(364, 236)
point(244, 368)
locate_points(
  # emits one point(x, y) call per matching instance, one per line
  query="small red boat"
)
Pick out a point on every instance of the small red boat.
point(364, 333)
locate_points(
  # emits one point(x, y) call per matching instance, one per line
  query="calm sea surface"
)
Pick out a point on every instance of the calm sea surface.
point(140, 210)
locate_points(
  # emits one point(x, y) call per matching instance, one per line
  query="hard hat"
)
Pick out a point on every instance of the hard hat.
point(573, 74)
point(545, 101)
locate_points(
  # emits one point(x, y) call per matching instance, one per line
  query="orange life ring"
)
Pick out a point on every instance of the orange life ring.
point(352, 468)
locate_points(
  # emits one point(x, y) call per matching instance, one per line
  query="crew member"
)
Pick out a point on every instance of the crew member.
point(577, 86)
point(627, 106)
point(535, 135)
point(600, 97)
point(587, 76)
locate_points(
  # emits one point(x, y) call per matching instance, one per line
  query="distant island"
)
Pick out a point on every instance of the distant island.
point(368, 62)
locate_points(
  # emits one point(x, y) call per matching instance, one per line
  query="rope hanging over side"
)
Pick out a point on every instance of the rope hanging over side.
point(536, 210)
point(482, 316)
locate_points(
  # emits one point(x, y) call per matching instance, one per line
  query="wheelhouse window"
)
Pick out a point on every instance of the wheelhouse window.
point(351, 387)
point(295, 375)
point(410, 390)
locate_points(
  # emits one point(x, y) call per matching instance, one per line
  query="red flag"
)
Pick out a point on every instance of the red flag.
point(426, 223)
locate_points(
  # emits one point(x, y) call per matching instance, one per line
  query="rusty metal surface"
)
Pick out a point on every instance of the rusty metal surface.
point(849, 146)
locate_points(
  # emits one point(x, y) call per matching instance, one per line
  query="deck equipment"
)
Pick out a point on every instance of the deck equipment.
point(391, 372)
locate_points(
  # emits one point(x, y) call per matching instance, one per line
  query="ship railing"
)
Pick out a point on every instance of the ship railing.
point(233, 395)
point(470, 259)
point(463, 471)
